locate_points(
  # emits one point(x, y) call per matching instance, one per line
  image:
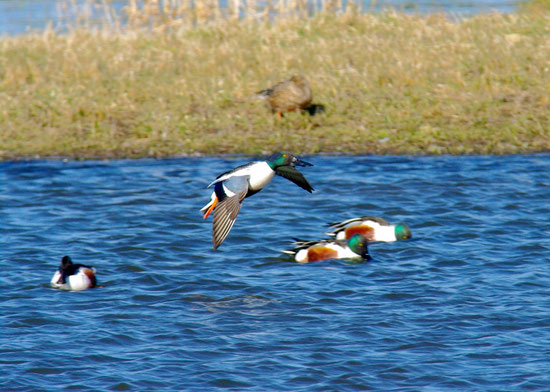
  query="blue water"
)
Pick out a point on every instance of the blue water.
point(464, 305)
point(19, 16)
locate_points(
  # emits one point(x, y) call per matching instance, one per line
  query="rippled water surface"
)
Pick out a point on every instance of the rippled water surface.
point(19, 16)
point(464, 305)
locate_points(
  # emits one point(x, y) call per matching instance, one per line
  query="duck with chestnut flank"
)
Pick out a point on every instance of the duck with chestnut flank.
point(70, 276)
point(309, 251)
point(372, 228)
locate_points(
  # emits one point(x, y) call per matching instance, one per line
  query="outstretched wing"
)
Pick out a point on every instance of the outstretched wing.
point(226, 211)
point(292, 174)
point(225, 215)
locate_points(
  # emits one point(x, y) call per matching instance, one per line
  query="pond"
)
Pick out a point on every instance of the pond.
point(462, 305)
point(17, 16)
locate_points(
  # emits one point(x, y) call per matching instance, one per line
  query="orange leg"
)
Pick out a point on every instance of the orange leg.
point(214, 202)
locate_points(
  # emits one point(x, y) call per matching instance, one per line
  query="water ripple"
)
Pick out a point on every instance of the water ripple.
point(461, 306)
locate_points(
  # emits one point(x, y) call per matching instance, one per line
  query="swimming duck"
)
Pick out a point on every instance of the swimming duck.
point(232, 187)
point(308, 251)
point(372, 228)
point(288, 96)
point(74, 277)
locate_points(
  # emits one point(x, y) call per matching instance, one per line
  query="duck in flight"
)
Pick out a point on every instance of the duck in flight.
point(232, 187)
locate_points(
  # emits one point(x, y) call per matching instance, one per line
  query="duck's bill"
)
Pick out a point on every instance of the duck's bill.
point(294, 175)
point(300, 162)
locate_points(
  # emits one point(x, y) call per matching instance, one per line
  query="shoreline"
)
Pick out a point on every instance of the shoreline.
point(254, 156)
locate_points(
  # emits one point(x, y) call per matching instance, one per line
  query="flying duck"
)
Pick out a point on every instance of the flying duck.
point(232, 187)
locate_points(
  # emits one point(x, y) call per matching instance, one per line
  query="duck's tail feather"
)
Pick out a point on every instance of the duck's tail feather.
point(314, 109)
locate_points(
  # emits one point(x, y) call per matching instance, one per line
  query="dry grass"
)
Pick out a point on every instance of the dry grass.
point(181, 83)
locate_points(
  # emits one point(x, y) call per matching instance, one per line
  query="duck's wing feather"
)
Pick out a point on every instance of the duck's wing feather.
point(380, 221)
point(292, 174)
point(225, 213)
point(299, 244)
point(340, 225)
point(264, 93)
point(273, 89)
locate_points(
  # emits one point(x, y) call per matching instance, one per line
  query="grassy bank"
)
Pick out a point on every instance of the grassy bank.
point(391, 83)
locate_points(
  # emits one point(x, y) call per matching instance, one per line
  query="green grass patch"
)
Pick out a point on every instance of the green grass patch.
point(392, 83)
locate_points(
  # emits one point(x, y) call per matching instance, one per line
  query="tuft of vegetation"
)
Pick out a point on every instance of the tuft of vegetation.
point(158, 80)
point(534, 5)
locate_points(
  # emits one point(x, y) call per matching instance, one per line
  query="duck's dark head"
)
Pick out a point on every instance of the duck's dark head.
point(285, 159)
point(66, 262)
point(358, 244)
point(402, 232)
point(64, 268)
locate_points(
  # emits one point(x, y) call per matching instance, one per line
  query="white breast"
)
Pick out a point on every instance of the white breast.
point(385, 233)
point(79, 281)
point(260, 174)
point(55, 279)
point(76, 282)
point(343, 252)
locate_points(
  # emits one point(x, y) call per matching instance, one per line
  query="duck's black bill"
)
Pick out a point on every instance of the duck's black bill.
point(299, 162)
point(294, 175)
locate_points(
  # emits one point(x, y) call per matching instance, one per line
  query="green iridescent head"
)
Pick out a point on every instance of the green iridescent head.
point(358, 244)
point(402, 232)
point(285, 159)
